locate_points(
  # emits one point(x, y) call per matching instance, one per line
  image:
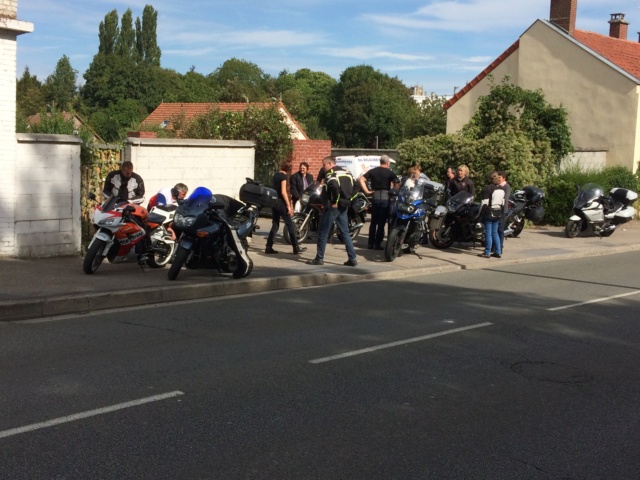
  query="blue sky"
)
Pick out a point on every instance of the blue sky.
point(438, 44)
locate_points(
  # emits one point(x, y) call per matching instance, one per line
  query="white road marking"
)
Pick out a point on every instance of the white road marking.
point(89, 413)
point(595, 300)
point(398, 343)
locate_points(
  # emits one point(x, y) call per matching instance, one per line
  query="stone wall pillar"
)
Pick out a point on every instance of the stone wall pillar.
point(10, 28)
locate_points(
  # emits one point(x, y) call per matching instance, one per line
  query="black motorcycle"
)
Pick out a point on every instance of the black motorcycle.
point(311, 204)
point(214, 229)
point(456, 221)
point(523, 204)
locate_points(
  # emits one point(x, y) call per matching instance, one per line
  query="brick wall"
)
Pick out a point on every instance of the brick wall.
point(310, 151)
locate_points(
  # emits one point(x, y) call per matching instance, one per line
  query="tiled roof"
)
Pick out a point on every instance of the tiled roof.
point(167, 112)
point(623, 53)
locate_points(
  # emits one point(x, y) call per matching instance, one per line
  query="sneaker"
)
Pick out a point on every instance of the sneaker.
point(270, 251)
point(484, 255)
point(299, 250)
point(351, 263)
point(496, 255)
point(315, 261)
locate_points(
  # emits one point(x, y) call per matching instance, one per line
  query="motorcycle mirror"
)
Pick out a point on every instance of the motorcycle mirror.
point(129, 209)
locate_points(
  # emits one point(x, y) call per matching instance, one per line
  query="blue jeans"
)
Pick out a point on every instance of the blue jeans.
point(379, 217)
point(339, 216)
point(492, 239)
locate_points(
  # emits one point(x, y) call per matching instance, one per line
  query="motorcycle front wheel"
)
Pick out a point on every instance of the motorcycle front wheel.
point(440, 240)
point(573, 228)
point(181, 257)
point(393, 246)
point(93, 259)
point(161, 254)
point(517, 227)
point(302, 231)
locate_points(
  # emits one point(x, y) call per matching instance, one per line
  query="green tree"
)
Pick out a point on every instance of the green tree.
point(371, 109)
point(60, 88)
point(197, 88)
point(125, 43)
point(146, 38)
point(511, 107)
point(430, 118)
point(108, 33)
point(240, 81)
point(29, 96)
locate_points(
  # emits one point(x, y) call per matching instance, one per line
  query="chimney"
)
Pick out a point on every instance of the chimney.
point(617, 26)
point(563, 14)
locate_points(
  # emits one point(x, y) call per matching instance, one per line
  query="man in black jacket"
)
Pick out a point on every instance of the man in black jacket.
point(336, 194)
point(299, 182)
point(124, 183)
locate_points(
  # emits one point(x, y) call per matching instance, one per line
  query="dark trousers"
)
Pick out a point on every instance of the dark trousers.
point(379, 218)
point(279, 211)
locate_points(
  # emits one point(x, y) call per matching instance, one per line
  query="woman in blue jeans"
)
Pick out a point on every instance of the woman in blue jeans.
point(493, 198)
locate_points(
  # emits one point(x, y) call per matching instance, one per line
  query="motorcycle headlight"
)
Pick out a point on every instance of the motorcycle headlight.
point(108, 221)
point(403, 207)
point(182, 221)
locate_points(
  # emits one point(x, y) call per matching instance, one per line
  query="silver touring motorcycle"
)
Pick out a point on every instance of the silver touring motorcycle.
point(601, 213)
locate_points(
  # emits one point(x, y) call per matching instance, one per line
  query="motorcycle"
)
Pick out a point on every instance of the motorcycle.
point(523, 204)
point(602, 213)
point(410, 209)
point(162, 247)
point(456, 221)
point(311, 207)
point(121, 234)
point(214, 229)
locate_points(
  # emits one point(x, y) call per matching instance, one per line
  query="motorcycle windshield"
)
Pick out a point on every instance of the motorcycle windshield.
point(588, 193)
point(197, 201)
point(412, 190)
point(458, 200)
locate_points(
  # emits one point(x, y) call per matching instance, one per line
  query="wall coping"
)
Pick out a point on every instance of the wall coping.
point(188, 142)
point(47, 138)
point(14, 25)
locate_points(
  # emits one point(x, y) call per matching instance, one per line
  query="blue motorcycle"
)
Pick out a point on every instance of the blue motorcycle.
point(409, 212)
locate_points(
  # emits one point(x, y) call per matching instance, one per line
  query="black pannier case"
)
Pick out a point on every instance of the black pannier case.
point(624, 196)
point(259, 195)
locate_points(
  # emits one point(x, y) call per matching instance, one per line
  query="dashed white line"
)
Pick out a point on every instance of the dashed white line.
point(89, 413)
point(353, 353)
point(595, 300)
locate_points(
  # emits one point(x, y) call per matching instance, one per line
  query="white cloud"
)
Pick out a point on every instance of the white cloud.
point(371, 52)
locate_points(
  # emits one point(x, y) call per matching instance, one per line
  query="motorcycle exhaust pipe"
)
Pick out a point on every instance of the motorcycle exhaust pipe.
point(508, 231)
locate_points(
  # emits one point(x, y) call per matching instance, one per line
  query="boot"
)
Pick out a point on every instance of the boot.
point(270, 251)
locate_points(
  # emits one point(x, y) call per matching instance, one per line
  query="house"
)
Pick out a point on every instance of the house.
point(77, 124)
point(595, 77)
point(166, 113)
point(304, 149)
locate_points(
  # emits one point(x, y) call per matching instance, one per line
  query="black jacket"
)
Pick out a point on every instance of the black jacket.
point(297, 186)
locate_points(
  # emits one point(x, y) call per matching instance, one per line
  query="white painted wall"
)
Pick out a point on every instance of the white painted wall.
point(220, 165)
point(47, 195)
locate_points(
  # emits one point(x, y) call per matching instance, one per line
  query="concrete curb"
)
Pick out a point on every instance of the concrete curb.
point(46, 308)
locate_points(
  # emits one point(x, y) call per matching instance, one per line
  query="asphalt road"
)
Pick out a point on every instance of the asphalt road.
point(485, 374)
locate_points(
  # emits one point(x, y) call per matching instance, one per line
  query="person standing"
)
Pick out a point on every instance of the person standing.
point(462, 182)
point(299, 182)
point(382, 180)
point(492, 209)
point(282, 209)
point(448, 182)
point(336, 194)
point(502, 175)
point(125, 184)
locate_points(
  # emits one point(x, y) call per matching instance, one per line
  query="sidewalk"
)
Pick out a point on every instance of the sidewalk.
point(47, 287)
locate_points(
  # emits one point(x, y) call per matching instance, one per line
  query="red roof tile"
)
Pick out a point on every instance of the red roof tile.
point(624, 53)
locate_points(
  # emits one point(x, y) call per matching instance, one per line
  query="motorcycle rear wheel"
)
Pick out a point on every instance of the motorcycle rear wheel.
point(93, 259)
point(301, 231)
point(393, 246)
point(353, 230)
point(161, 254)
point(573, 228)
point(438, 241)
point(178, 262)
